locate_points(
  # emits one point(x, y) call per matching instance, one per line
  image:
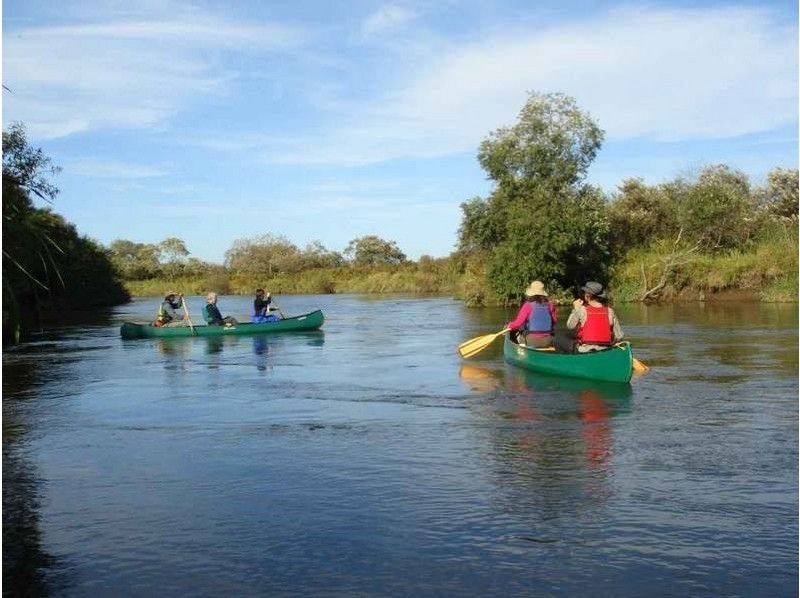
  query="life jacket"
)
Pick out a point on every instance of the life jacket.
point(541, 320)
point(596, 330)
point(162, 317)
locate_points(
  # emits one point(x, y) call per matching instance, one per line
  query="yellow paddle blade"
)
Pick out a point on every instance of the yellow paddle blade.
point(639, 367)
point(475, 345)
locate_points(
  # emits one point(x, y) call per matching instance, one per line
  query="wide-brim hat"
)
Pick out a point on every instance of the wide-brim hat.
point(536, 288)
point(169, 294)
point(594, 288)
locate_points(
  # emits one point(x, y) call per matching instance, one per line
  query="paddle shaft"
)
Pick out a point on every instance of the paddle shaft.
point(188, 317)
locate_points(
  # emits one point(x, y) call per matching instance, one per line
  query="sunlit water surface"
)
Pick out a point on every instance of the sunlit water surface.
point(368, 459)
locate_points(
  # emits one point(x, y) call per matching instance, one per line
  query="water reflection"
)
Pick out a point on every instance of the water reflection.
point(25, 560)
point(557, 440)
point(177, 353)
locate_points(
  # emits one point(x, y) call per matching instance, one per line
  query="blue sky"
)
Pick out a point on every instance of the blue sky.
point(325, 121)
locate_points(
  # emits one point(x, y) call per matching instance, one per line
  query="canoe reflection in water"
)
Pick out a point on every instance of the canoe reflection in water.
point(559, 436)
point(177, 353)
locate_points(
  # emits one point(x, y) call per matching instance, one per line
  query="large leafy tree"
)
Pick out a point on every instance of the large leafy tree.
point(541, 219)
point(371, 250)
point(135, 261)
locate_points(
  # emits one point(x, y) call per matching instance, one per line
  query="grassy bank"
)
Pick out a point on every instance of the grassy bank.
point(768, 272)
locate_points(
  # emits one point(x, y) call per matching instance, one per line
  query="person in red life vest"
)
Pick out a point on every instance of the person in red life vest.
point(536, 318)
point(595, 324)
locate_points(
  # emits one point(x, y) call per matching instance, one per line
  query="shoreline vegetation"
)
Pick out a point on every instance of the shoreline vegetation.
point(704, 236)
point(767, 273)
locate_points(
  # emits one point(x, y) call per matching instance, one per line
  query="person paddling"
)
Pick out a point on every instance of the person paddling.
point(595, 324)
point(535, 319)
point(261, 310)
point(212, 315)
point(168, 311)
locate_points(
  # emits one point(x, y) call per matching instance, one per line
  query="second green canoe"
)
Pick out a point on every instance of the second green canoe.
point(613, 365)
point(309, 321)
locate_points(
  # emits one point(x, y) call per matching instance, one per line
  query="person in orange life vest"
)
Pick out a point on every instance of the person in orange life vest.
point(595, 324)
point(536, 318)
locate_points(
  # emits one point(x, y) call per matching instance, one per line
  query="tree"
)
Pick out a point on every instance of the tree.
point(45, 260)
point(135, 261)
point(541, 220)
point(639, 214)
point(266, 255)
point(371, 250)
point(553, 142)
point(173, 254)
point(316, 255)
point(717, 210)
point(779, 197)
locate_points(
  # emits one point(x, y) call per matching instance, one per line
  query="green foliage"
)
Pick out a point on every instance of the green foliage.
point(717, 210)
point(46, 263)
point(638, 214)
point(553, 143)
point(371, 250)
point(767, 269)
point(541, 221)
point(135, 261)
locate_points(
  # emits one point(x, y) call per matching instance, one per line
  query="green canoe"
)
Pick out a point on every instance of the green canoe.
point(613, 365)
point(310, 321)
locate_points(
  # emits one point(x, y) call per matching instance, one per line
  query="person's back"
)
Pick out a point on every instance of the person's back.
point(594, 322)
point(213, 316)
point(535, 318)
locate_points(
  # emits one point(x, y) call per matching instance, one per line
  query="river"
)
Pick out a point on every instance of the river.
point(368, 459)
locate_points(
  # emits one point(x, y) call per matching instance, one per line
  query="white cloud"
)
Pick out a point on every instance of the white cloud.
point(386, 18)
point(116, 170)
point(123, 73)
point(660, 74)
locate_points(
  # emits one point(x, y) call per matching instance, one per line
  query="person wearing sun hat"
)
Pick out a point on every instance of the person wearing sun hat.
point(535, 319)
point(595, 324)
point(168, 311)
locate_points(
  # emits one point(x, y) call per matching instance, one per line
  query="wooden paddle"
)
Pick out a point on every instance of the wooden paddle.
point(639, 367)
point(188, 317)
point(475, 345)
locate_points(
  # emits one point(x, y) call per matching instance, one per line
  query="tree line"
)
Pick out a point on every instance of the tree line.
point(264, 256)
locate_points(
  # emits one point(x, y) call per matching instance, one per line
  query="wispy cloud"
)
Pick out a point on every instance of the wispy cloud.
point(131, 73)
point(115, 170)
point(385, 19)
point(660, 74)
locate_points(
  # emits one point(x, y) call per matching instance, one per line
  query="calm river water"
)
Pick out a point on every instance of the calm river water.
point(368, 459)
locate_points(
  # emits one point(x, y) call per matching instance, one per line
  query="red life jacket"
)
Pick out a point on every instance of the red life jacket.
point(597, 329)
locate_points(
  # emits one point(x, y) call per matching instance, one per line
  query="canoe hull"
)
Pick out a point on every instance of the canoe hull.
point(309, 321)
point(614, 365)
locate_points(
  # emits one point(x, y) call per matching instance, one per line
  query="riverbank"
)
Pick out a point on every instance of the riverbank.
point(767, 273)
